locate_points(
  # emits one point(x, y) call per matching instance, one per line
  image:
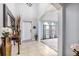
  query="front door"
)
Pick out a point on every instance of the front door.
point(27, 30)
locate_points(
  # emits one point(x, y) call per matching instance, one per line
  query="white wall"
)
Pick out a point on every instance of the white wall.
point(72, 27)
point(12, 8)
point(1, 17)
point(60, 32)
point(50, 16)
point(28, 14)
point(44, 7)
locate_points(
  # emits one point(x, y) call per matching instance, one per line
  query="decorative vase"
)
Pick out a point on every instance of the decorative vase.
point(8, 46)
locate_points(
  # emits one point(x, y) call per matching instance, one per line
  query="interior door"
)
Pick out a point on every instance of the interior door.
point(27, 30)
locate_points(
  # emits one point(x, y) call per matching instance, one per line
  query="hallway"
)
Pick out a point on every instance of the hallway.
point(34, 48)
point(26, 23)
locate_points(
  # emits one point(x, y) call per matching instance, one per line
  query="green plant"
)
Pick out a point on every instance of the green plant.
point(5, 34)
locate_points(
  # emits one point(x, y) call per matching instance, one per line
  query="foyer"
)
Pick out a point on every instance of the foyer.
point(39, 29)
point(27, 31)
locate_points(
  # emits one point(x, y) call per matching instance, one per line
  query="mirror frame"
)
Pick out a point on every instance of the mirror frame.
point(6, 12)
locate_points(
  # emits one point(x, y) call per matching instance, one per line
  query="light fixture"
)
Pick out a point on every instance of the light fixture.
point(29, 4)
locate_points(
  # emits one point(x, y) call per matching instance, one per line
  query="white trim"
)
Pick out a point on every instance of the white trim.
point(60, 27)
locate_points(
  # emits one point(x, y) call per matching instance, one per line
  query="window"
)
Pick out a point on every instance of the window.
point(48, 30)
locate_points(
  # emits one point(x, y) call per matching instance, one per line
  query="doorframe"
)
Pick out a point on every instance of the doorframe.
point(22, 29)
point(59, 7)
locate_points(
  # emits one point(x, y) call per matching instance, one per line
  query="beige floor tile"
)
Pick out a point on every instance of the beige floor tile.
point(34, 48)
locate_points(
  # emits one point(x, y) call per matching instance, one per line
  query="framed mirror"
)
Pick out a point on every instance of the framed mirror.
point(8, 18)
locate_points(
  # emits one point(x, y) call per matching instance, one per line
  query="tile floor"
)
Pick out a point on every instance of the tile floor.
point(52, 43)
point(34, 48)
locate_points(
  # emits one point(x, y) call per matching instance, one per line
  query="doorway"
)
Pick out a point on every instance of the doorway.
point(60, 27)
point(50, 34)
point(27, 30)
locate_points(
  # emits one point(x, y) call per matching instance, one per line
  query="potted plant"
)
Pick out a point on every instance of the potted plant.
point(36, 37)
